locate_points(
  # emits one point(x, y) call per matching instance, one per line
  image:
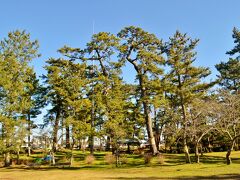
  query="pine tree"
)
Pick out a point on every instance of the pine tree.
point(229, 71)
point(143, 51)
point(229, 76)
point(35, 94)
point(184, 79)
point(99, 50)
point(67, 86)
point(17, 51)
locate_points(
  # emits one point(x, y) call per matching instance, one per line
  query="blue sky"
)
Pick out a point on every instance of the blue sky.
point(58, 22)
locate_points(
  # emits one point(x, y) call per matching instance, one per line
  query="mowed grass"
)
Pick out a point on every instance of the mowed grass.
point(212, 166)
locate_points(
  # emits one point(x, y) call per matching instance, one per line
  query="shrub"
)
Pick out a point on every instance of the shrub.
point(109, 159)
point(160, 159)
point(124, 159)
point(38, 161)
point(139, 151)
point(147, 158)
point(89, 159)
point(1, 163)
point(14, 162)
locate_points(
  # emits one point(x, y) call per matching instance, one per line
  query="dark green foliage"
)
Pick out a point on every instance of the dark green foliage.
point(229, 76)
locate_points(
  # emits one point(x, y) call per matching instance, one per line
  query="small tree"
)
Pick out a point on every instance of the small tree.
point(200, 122)
point(227, 113)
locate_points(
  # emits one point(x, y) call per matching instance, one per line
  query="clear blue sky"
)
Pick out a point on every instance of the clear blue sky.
point(58, 22)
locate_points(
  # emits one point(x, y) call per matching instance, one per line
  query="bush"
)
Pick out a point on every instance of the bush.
point(139, 151)
point(109, 159)
point(38, 161)
point(147, 158)
point(89, 159)
point(23, 161)
point(124, 159)
point(160, 159)
point(14, 162)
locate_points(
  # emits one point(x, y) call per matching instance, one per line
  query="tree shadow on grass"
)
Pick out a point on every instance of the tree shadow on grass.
point(99, 156)
point(224, 176)
point(50, 168)
point(177, 159)
point(217, 160)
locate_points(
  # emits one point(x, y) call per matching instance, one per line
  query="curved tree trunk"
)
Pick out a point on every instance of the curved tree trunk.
point(228, 158)
point(230, 148)
point(197, 155)
point(186, 151)
point(148, 122)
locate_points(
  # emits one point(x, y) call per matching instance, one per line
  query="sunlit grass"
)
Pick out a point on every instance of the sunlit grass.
point(212, 166)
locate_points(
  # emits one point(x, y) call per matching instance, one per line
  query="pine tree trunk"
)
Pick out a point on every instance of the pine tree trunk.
point(71, 158)
point(29, 148)
point(108, 143)
point(91, 144)
point(186, 151)
point(29, 137)
point(55, 131)
point(148, 119)
point(185, 146)
point(53, 158)
point(148, 122)
point(7, 159)
point(91, 137)
point(128, 148)
point(18, 156)
point(157, 131)
point(79, 144)
point(67, 137)
point(157, 140)
point(117, 157)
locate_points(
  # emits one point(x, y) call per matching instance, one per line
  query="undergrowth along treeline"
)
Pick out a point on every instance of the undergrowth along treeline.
point(171, 101)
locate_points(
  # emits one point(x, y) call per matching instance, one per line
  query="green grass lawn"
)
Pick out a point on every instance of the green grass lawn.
point(212, 166)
